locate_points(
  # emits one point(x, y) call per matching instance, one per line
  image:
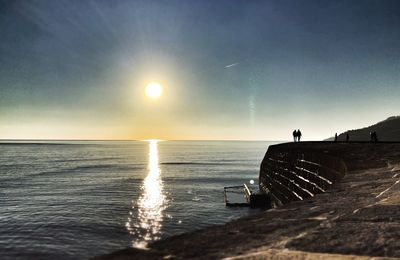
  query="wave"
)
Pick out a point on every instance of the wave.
point(34, 144)
point(85, 159)
point(77, 169)
point(239, 178)
point(83, 168)
point(196, 163)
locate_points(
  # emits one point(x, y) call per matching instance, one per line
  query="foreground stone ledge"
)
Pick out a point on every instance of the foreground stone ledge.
point(274, 254)
point(357, 218)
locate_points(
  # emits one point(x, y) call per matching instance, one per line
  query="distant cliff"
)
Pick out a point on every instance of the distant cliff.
point(387, 130)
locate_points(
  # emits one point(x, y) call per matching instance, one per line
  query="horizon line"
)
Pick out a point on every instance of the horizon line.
point(135, 140)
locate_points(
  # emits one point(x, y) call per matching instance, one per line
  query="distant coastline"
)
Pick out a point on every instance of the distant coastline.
point(388, 130)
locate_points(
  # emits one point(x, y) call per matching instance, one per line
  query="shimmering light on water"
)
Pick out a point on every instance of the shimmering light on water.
point(71, 200)
point(147, 225)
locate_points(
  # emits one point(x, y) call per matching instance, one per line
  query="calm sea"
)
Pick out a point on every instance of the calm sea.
point(74, 200)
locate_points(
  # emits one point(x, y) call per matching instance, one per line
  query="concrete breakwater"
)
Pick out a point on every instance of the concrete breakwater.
point(335, 200)
point(291, 173)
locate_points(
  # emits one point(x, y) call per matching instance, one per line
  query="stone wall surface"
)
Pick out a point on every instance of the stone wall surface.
point(289, 173)
point(346, 206)
point(295, 171)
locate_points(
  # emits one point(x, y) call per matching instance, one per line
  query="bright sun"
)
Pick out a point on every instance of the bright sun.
point(153, 90)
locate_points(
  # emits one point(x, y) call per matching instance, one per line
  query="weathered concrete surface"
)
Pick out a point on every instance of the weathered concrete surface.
point(359, 216)
point(274, 254)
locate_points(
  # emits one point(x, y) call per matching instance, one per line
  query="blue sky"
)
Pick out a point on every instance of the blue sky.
point(77, 69)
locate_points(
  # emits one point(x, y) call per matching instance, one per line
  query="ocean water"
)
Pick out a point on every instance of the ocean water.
point(74, 200)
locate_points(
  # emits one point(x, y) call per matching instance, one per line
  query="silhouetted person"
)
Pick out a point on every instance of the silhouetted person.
point(335, 137)
point(374, 136)
point(347, 137)
point(294, 135)
point(298, 135)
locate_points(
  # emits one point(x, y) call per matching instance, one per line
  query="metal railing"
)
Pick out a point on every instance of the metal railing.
point(239, 189)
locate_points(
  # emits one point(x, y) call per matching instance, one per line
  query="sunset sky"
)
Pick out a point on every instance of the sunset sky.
point(245, 70)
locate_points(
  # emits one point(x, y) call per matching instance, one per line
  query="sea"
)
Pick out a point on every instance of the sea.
point(80, 199)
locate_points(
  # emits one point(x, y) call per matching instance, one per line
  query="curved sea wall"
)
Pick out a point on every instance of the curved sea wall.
point(296, 171)
point(288, 174)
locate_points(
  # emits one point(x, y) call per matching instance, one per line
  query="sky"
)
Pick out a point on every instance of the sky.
point(230, 70)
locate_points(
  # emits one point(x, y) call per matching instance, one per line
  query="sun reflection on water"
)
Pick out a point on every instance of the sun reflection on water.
point(145, 223)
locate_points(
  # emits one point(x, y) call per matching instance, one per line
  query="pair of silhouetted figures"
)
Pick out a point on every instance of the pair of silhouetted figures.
point(374, 136)
point(347, 137)
point(296, 135)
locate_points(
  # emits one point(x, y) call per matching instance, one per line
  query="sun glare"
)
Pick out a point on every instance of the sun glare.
point(153, 90)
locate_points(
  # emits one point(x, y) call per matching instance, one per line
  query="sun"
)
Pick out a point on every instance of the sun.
point(153, 90)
